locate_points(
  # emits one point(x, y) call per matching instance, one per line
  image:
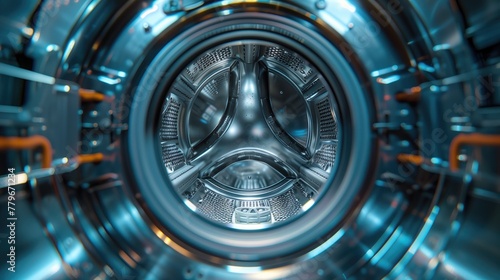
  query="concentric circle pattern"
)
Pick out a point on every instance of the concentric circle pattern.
point(250, 139)
point(248, 134)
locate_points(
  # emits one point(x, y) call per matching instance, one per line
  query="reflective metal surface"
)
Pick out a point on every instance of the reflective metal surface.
point(225, 146)
point(335, 139)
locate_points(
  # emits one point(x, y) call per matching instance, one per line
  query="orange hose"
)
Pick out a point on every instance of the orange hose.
point(87, 95)
point(32, 142)
point(89, 158)
point(412, 96)
point(476, 139)
point(414, 159)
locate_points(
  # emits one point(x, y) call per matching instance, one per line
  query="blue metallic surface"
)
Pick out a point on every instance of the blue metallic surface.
point(228, 174)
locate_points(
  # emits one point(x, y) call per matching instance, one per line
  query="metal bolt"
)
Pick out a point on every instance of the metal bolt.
point(321, 4)
point(146, 26)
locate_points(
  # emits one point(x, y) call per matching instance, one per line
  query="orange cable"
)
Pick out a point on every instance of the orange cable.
point(89, 158)
point(88, 95)
point(32, 142)
point(414, 159)
point(412, 96)
point(470, 139)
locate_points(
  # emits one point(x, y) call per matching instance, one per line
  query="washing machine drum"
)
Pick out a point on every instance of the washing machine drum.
point(247, 129)
point(258, 140)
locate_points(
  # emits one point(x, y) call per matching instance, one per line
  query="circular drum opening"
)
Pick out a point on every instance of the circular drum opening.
point(241, 137)
point(249, 134)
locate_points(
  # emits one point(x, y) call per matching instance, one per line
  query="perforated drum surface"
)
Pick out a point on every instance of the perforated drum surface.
point(252, 128)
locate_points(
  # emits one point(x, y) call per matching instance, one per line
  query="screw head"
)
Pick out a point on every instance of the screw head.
point(146, 27)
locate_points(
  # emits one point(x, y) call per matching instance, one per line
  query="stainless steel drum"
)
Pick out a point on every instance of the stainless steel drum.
point(257, 139)
point(328, 139)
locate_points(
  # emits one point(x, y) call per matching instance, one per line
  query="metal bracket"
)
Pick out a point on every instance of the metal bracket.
point(173, 6)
